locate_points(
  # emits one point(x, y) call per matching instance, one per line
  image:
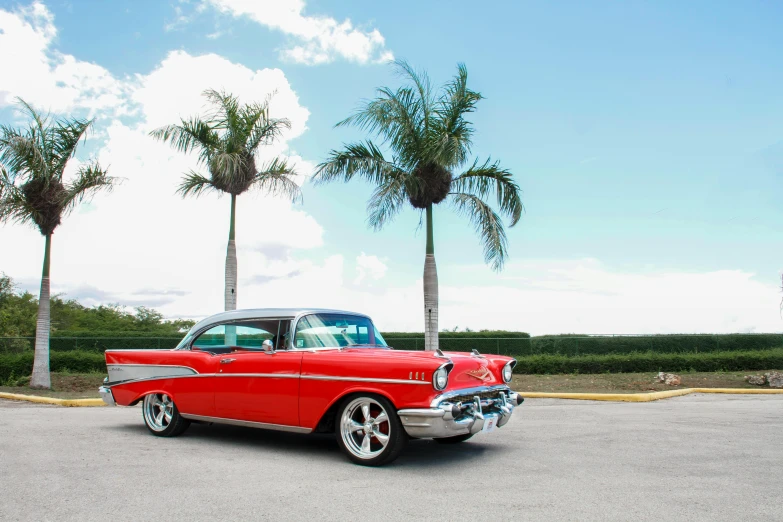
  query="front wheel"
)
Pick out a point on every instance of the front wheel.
point(456, 439)
point(369, 430)
point(162, 417)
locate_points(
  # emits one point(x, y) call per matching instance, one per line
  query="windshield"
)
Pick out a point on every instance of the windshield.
point(336, 330)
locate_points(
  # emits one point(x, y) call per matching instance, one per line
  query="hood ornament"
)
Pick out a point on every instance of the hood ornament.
point(481, 374)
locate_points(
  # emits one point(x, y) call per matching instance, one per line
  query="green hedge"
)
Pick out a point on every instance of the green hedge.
point(652, 362)
point(595, 345)
point(516, 344)
point(21, 365)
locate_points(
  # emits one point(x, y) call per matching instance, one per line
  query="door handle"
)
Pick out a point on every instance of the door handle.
point(226, 361)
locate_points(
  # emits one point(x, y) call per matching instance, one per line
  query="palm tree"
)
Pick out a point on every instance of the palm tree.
point(33, 191)
point(227, 140)
point(429, 138)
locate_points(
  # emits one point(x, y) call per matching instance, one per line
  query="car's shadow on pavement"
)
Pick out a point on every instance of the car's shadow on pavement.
point(417, 454)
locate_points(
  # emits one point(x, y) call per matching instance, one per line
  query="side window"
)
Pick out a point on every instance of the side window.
point(227, 337)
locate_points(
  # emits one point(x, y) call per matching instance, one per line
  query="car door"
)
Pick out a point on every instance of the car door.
point(255, 385)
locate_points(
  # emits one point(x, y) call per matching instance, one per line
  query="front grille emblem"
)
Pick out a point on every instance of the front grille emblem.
point(481, 374)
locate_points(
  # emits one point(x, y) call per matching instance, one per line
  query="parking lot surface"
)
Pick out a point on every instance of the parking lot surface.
point(697, 457)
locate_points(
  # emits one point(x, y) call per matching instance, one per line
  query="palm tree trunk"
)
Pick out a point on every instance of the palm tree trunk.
point(231, 272)
point(430, 290)
point(41, 377)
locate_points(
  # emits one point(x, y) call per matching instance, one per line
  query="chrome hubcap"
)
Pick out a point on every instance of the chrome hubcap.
point(158, 410)
point(365, 428)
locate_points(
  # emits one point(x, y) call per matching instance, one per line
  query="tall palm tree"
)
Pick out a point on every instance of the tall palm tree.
point(227, 140)
point(429, 138)
point(33, 191)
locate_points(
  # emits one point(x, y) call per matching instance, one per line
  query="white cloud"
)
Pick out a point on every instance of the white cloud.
point(44, 77)
point(546, 296)
point(143, 245)
point(143, 235)
point(319, 38)
point(369, 267)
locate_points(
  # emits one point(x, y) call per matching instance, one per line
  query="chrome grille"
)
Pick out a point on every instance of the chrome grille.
point(468, 398)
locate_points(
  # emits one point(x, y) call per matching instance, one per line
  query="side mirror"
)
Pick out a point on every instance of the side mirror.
point(267, 346)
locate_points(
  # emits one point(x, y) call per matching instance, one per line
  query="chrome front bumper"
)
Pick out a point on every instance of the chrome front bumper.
point(447, 419)
point(106, 395)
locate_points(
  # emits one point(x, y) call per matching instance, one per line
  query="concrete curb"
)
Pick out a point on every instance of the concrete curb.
point(52, 400)
point(613, 397)
point(644, 397)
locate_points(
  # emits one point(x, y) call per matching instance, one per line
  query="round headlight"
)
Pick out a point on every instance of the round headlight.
point(507, 372)
point(440, 378)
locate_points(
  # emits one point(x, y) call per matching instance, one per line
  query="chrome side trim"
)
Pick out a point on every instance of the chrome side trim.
point(201, 375)
point(126, 372)
point(268, 375)
point(271, 376)
point(362, 379)
point(248, 424)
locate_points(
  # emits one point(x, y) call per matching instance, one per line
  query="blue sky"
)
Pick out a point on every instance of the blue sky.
point(646, 136)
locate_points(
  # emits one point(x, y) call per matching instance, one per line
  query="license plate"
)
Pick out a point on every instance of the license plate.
point(490, 423)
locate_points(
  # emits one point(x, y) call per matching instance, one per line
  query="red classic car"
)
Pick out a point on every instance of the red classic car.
point(310, 371)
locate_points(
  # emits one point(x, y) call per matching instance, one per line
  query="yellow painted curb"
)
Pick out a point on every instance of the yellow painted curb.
point(52, 400)
point(644, 397)
point(752, 391)
point(615, 397)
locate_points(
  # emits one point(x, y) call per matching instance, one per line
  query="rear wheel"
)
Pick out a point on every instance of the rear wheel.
point(455, 439)
point(162, 417)
point(369, 430)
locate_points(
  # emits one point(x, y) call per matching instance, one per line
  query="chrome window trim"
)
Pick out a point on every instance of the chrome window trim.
point(140, 349)
point(362, 379)
point(248, 424)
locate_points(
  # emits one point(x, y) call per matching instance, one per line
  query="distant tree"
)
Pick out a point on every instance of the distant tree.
point(33, 191)
point(227, 140)
point(429, 138)
point(69, 317)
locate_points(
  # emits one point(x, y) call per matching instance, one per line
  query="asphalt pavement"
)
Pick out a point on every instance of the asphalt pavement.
point(699, 457)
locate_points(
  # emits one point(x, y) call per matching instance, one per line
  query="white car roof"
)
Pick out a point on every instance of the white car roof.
point(265, 313)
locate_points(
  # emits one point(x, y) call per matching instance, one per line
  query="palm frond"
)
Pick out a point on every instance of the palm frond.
point(66, 137)
point(13, 205)
point(189, 135)
point(90, 179)
point(22, 154)
point(266, 131)
point(487, 224)
point(363, 159)
point(397, 117)
point(488, 178)
point(453, 132)
point(275, 179)
point(422, 83)
point(38, 132)
point(387, 200)
point(194, 184)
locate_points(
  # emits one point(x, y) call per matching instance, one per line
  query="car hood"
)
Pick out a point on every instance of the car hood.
point(469, 370)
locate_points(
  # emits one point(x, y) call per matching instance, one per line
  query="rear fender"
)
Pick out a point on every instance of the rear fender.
point(132, 393)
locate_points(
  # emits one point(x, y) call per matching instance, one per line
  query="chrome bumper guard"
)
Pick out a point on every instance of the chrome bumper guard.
point(440, 421)
point(106, 395)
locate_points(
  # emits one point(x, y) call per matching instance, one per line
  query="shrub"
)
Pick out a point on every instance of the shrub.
point(21, 364)
point(652, 362)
